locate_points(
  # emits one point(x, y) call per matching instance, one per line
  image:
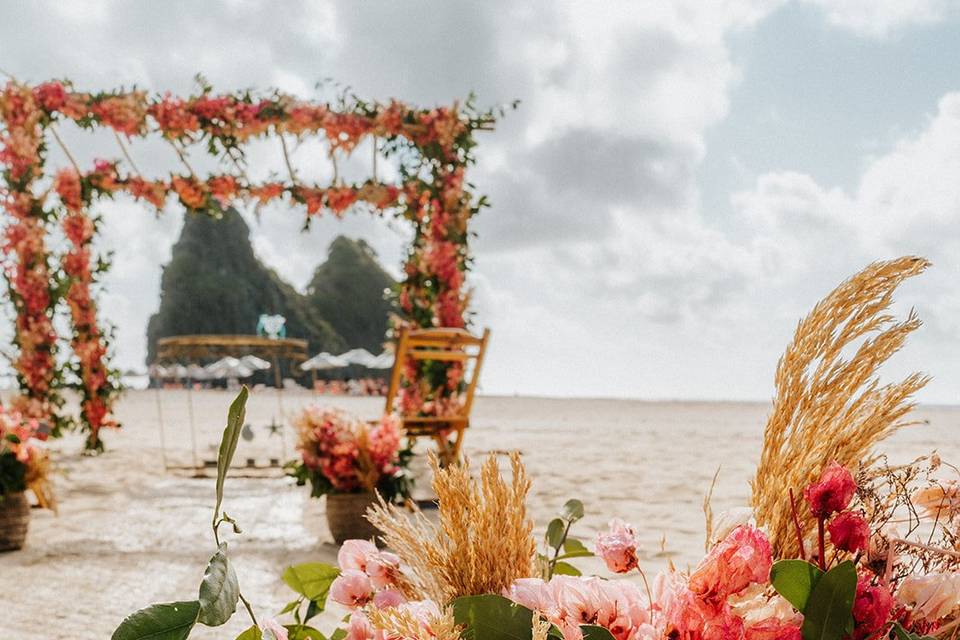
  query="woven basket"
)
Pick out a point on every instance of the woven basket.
point(14, 520)
point(345, 513)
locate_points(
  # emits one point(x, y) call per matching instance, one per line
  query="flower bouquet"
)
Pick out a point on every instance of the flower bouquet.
point(349, 461)
point(837, 544)
point(23, 466)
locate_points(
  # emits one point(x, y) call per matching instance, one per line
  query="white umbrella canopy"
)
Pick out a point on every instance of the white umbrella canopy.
point(383, 361)
point(176, 371)
point(228, 368)
point(359, 356)
point(196, 372)
point(158, 371)
point(324, 360)
point(255, 363)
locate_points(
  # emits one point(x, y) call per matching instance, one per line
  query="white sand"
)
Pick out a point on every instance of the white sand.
point(129, 534)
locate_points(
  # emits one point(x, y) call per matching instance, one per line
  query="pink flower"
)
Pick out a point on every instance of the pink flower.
point(871, 608)
point(274, 627)
point(388, 598)
point(532, 593)
point(849, 532)
point(352, 589)
point(383, 568)
point(832, 493)
point(360, 628)
point(354, 554)
point(772, 629)
point(618, 547)
point(742, 558)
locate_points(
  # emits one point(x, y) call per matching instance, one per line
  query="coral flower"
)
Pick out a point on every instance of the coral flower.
point(772, 629)
point(354, 554)
point(618, 546)
point(742, 558)
point(849, 532)
point(832, 493)
point(931, 596)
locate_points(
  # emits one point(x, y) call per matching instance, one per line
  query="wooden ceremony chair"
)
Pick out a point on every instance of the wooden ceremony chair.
point(441, 345)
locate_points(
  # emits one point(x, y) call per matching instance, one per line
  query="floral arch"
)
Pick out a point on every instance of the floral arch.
point(433, 147)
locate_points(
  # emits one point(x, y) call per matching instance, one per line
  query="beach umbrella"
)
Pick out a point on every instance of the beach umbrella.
point(176, 371)
point(255, 363)
point(361, 357)
point(157, 371)
point(323, 361)
point(383, 361)
point(229, 367)
point(196, 372)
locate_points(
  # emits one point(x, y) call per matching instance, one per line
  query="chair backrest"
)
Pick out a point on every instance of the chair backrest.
point(440, 345)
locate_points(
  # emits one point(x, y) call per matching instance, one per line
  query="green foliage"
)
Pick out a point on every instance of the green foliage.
point(824, 599)
point(560, 546)
point(252, 633)
point(219, 591)
point(228, 444)
point(172, 621)
point(312, 580)
point(794, 580)
point(12, 474)
point(492, 617)
point(903, 634)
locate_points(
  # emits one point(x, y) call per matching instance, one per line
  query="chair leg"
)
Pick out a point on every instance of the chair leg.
point(458, 444)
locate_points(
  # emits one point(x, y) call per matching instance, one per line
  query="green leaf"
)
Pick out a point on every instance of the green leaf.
point(219, 591)
point(572, 510)
point(492, 617)
point(303, 633)
point(290, 607)
point(555, 532)
point(566, 569)
point(228, 443)
point(253, 633)
point(170, 621)
point(827, 615)
point(572, 545)
point(311, 580)
point(339, 634)
point(312, 609)
point(903, 634)
point(594, 632)
point(794, 580)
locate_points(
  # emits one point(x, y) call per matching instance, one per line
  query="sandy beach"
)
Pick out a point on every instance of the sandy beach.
point(129, 534)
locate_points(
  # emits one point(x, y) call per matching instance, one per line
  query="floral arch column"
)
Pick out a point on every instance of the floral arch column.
point(433, 148)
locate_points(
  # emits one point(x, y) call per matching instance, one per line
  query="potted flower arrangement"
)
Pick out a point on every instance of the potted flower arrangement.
point(349, 461)
point(23, 466)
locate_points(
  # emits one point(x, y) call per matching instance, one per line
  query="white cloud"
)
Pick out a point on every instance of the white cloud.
point(881, 18)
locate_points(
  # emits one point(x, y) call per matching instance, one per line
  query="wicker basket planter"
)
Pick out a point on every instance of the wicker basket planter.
point(14, 520)
point(345, 513)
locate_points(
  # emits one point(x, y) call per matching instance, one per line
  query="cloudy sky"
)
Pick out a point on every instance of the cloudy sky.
point(682, 181)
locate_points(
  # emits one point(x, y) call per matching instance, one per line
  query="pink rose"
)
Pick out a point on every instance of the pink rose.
point(832, 493)
point(742, 558)
point(849, 532)
point(871, 608)
point(352, 588)
point(618, 547)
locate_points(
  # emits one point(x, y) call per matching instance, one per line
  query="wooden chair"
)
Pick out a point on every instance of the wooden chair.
point(441, 345)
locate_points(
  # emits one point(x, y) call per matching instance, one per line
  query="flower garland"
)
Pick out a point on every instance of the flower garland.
point(434, 147)
point(31, 284)
point(97, 384)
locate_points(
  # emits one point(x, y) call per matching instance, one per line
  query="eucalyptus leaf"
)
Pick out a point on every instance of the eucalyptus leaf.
point(555, 532)
point(492, 617)
point(170, 621)
point(228, 443)
point(594, 632)
point(795, 580)
point(219, 591)
point(311, 580)
point(828, 614)
point(572, 510)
